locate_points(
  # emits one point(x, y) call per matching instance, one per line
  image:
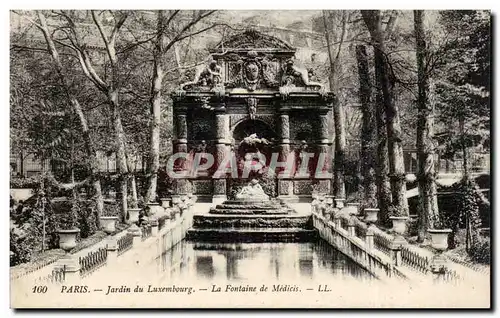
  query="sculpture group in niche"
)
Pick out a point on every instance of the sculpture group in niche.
point(252, 191)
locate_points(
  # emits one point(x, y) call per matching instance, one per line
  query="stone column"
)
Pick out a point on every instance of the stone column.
point(285, 184)
point(221, 147)
point(324, 145)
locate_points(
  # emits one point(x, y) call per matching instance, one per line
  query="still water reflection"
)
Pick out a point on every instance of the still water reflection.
point(246, 262)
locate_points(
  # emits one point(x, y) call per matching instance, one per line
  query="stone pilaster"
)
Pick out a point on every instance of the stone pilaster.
point(323, 169)
point(221, 151)
point(181, 128)
point(180, 144)
point(323, 129)
point(219, 195)
point(285, 184)
point(284, 128)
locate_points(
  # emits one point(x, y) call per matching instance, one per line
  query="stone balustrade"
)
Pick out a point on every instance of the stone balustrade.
point(167, 227)
point(382, 254)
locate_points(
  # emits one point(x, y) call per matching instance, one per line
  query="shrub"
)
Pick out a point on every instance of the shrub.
point(86, 219)
point(461, 206)
point(111, 209)
point(481, 251)
point(20, 248)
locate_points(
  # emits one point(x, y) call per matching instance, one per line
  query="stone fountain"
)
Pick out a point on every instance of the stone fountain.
point(252, 216)
point(252, 199)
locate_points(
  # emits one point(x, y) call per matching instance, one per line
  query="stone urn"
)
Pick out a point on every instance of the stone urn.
point(399, 224)
point(410, 177)
point(108, 223)
point(165, 202)
point(371, 215)
point(67, 238)
point(133, 215)
point(353, 208)
point(175, 199)
point(439, 238)
point(329, 199)
point(170, 212)
point(154, 208)
point(339, 203)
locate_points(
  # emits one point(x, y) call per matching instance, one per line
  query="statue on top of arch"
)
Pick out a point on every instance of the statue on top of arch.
point(209, 76)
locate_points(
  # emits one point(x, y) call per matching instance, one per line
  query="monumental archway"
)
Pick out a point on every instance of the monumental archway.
point(251, 85)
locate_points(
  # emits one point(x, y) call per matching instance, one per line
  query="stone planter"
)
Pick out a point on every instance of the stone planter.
point(329, 199)
point(339, 203)
point(170, 213)
point(165, 202)
point(439, 238)
point(108, 223)
point(410, 177)
point(371, 215)
point(67, 238)
point(399, 224)
point(154, 208)
point(353, 208)
point(133, 215)
point(176, 199)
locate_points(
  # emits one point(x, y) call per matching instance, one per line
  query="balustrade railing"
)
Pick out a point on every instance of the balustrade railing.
point(382, 241)
point(415, 260)
point(449, 276)
point(56, 276)
point(399, 252)
point(344, 222)
point(360, 228)
point(125, 243)
point(22, 273)
point(93, 261)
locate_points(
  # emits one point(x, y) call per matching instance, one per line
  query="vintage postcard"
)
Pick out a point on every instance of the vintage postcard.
point(250, 159)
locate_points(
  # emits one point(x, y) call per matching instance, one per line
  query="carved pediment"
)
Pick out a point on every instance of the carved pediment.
point(254, 40)
point(253, 61)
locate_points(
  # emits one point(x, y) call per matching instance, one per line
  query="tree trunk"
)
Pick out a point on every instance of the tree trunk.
point(428, 205)
point(121, 158)
point(465, 163)
point(156, 99)
point(89, 146)
point(368, 128)
point(338, 112)
point(394, 142)
point(133, 183)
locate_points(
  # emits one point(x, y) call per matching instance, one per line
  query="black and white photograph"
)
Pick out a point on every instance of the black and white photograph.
point(237, 159)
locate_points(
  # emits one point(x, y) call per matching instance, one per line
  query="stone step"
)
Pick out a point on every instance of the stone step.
point(239, 210)
point(252, 235)
point(222, 221)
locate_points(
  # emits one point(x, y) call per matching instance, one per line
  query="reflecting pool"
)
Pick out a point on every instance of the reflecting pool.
point(256, 262)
